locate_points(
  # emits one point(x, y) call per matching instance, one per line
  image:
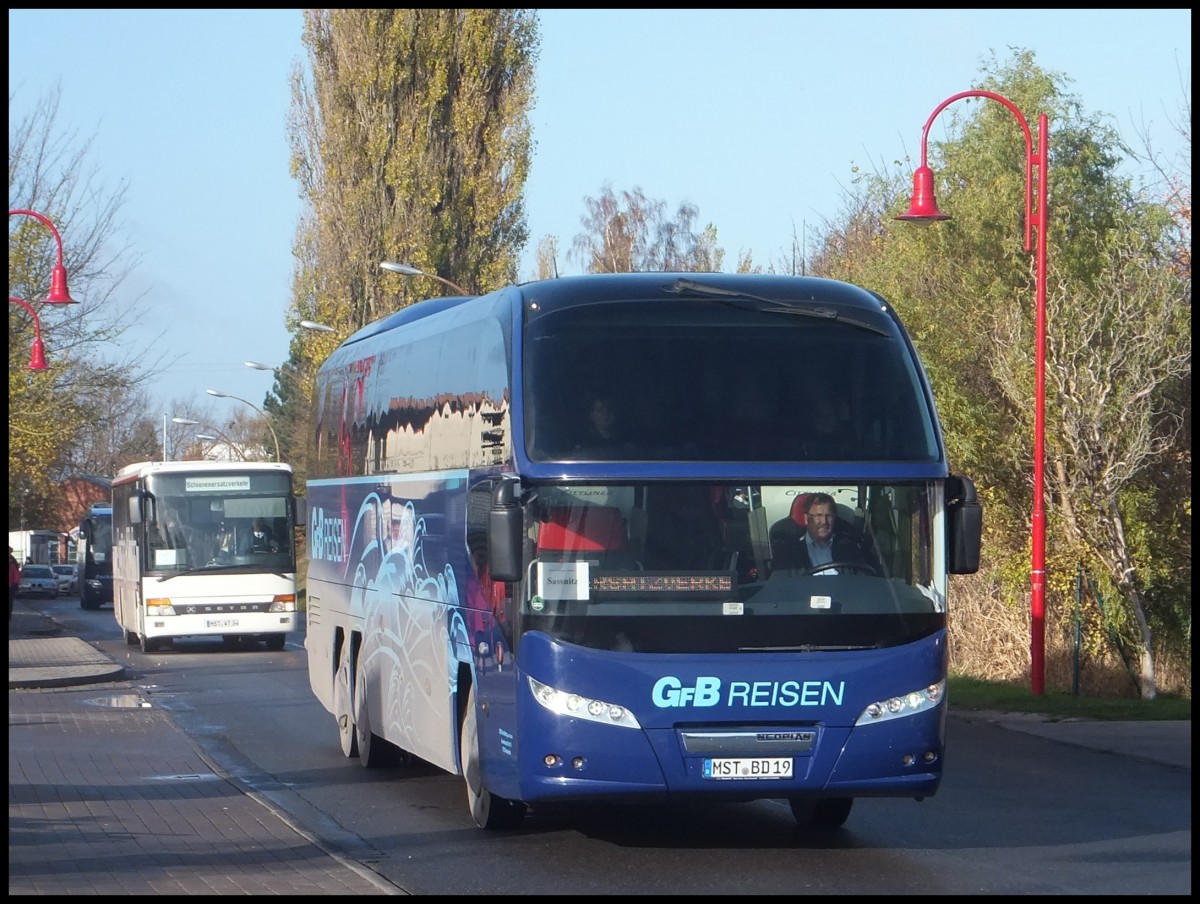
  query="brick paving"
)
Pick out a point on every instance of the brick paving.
point(107, 796)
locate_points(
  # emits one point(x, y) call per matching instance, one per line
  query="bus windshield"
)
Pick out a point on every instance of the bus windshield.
point(219, 522)
point(700, 380)
point(697, 568)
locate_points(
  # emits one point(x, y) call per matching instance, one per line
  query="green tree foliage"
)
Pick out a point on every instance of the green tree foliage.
point(72, 418)
point(410, 142)
point(1118, 349)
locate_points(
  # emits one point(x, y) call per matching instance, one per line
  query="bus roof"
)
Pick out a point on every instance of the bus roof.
point(145, 468)
point(767, 286)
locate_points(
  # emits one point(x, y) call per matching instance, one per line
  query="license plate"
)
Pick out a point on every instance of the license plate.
point(748, 767)
point(221, 623)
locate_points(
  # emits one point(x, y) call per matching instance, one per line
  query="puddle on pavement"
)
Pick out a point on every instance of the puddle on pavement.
point(120, 701)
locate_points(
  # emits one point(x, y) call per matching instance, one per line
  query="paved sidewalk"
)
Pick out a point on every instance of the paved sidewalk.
point(107, 796)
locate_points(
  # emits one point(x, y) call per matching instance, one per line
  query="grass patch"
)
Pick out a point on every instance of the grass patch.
point(973, 693)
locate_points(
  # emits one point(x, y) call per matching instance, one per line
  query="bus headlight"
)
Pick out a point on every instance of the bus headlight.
point(564, 704)
point(903, 705)
point(283, 602)
point(160, 606)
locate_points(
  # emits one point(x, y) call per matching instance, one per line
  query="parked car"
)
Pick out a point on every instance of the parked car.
point(68, 577)
point(38, 580)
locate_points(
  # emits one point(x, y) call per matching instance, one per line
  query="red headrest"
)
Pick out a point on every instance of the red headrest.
point(798, 509)
point(598, 528)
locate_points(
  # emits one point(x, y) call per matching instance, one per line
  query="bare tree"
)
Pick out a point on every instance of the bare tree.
point(630, 232)
point(64, 420)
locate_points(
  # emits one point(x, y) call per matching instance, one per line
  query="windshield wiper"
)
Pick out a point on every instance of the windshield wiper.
point(766, 305)
point(203, 569)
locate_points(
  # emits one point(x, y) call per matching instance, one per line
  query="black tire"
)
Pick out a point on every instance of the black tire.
point(823, 814)
point(148, 645)
point(490, 811)
point(129, 637)
point(86, 602)
point(275, 642)
point(373, 751)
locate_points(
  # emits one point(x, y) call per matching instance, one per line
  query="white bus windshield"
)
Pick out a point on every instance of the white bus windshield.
point(199, 522)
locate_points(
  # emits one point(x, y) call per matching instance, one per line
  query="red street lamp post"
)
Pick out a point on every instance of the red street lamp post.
point(923, 209)
point(58, 276)
point(37, 359)
point(59, 293)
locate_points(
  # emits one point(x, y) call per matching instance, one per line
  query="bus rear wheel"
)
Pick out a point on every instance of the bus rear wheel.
point(489, 810)
point(342, 702)
point(821, 814)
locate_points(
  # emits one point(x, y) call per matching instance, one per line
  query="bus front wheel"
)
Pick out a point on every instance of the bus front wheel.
point(821, 814)
point(489, 810)
point(149, 645)
point(374, 752)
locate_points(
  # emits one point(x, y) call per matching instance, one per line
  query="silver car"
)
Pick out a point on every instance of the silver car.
point(38, 580)
point(67, 578)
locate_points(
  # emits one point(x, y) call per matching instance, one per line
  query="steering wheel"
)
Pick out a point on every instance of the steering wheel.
point(859, 567)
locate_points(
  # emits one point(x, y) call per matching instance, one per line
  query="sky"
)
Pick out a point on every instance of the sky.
point(757, 117)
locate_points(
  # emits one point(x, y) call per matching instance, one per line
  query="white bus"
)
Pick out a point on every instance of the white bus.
point(204, 548)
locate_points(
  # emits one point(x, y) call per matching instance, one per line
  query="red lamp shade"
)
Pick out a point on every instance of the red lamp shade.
point(37, 359)
point(924, 207)
point(58, 287)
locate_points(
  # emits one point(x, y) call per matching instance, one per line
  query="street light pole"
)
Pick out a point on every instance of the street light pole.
point(406, 270)
point(262, 414)
point(923, 208)
point(190, 422)
point(282, 374)
point(317, 327)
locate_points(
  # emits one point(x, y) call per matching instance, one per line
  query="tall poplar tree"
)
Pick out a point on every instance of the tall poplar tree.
point(411, 143)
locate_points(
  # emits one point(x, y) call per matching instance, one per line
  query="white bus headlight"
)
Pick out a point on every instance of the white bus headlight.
point(564, 704)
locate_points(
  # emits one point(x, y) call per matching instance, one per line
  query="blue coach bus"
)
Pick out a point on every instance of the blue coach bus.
point(94, 557)
point(559, 612)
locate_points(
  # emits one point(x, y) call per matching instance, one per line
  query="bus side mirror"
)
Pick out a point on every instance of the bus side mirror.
point(135, 509)
point(302, 511)
point(964, 531)
point(506, 528)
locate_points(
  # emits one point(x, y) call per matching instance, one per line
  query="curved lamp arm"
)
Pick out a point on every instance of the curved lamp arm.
point(58, 276)
point(37, 358)
point(262, 414)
